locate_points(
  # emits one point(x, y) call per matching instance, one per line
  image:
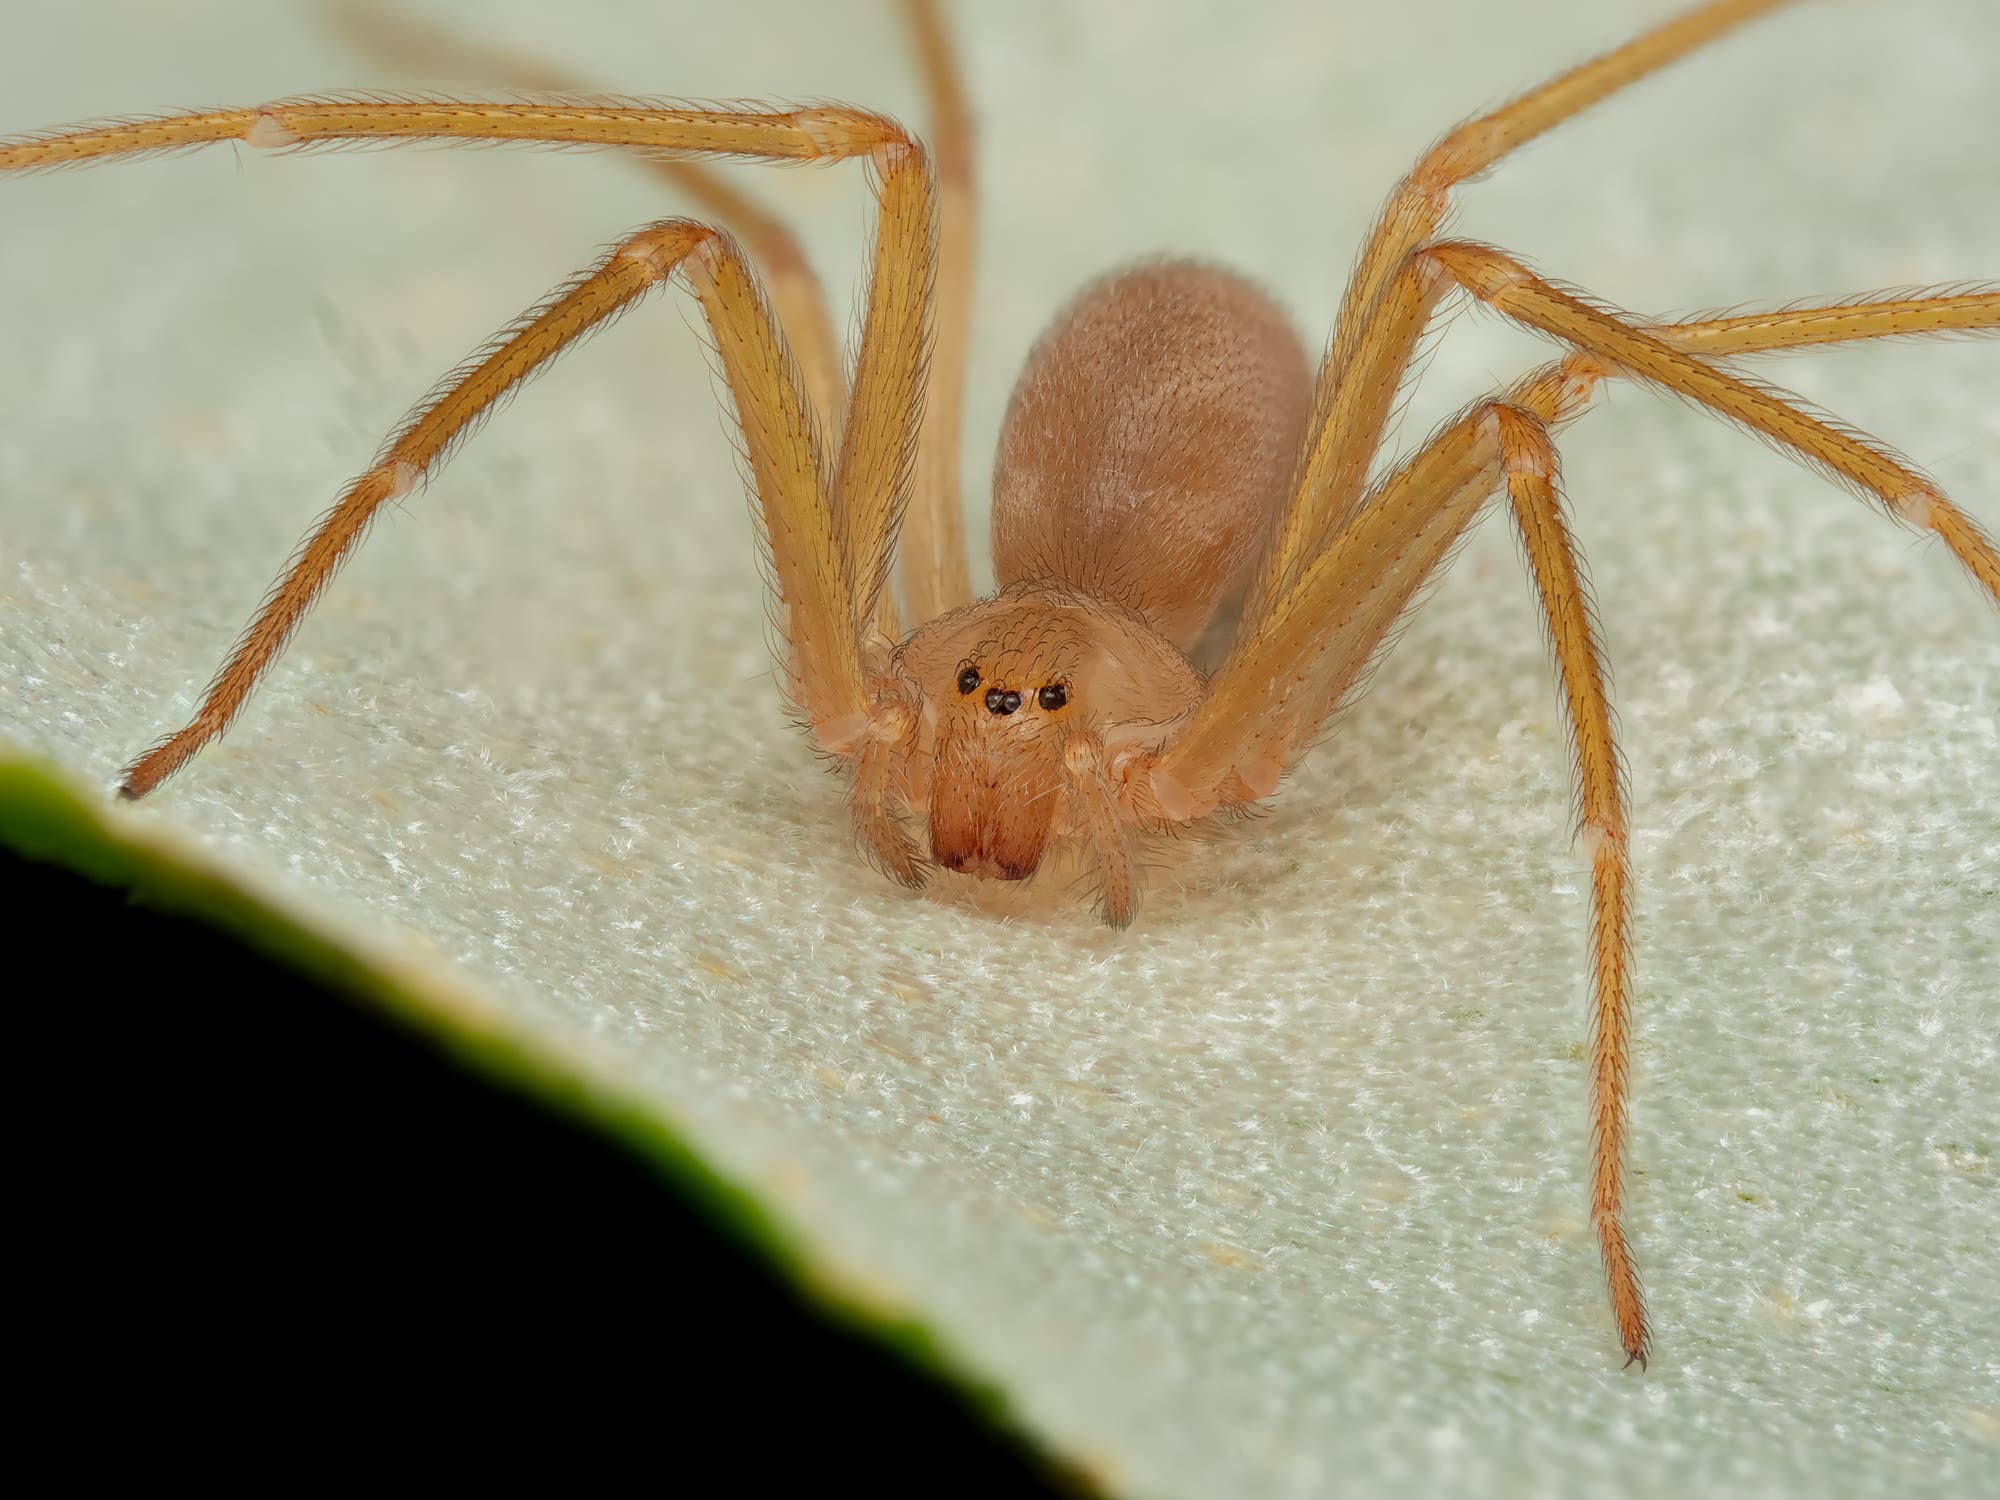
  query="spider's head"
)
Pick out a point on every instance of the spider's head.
point(1009, 687)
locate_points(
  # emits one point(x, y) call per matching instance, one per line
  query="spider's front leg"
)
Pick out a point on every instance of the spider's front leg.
point(931, 546)
point(829, 526)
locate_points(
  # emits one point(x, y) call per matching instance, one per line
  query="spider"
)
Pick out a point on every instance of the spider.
point(1169, 463)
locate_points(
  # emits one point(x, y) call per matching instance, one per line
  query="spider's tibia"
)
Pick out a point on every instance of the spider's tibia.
point(840, 734)
point(1916, 506)
point(1259, 774)
point(269, 133)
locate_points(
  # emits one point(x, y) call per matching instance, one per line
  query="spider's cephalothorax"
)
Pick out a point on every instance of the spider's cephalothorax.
point(1143, 459)
point(1165, 455)
point(1025, 708)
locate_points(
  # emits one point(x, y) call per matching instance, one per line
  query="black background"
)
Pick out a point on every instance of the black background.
point(249, 1208)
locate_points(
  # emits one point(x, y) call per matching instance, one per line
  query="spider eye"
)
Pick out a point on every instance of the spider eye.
point(1053, 697)
point(968, 680)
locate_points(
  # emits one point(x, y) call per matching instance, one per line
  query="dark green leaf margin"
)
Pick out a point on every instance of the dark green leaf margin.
point(45, 818)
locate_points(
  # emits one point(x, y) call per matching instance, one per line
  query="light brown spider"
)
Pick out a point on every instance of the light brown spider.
point(1168, 457)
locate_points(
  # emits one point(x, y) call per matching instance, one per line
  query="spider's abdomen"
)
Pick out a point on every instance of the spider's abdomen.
point(1149, 441)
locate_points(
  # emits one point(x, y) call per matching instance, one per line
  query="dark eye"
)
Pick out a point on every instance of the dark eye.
point(1053, 697)
point(968, 680)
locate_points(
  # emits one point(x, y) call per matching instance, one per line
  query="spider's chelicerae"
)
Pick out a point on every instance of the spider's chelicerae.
point(1169, 460)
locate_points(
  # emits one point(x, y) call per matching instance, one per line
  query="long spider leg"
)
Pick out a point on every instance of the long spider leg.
point(818, 587)
point(935, 575)
point(1319, 639)
point(1333, 462)
point(1285, 678)
point(814, 133)
point(783, 450)
point(1361, 585)
point(788, 466)
point(1627, 349)
point(409, 42)
point(1528, 457)
point(1406, 307)
point(932, 542)
point(1921, 313)
point(879, 442)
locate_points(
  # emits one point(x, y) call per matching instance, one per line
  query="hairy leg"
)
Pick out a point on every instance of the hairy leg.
point(821, 133)
point(1629, 350)
point(1350, 413)
point(388, 33)
point(1528, 458)
point(1361, 584)
point(932, 538)
point(934, 569)
point(879, 440)
point(1287, 673)
point(818, 560)
point(777, 436)
point(1412, 295)
point(1972, 309)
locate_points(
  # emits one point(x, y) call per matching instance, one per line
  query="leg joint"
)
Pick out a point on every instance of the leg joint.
point(836, 133)
point(1525, 444)
point(1483, 271)
point(665, 245)
point(269, 133)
